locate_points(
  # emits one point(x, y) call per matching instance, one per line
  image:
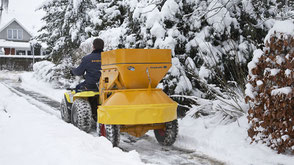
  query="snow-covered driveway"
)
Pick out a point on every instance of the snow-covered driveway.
point(44, 137)
point(31, 136)
point(31, 132)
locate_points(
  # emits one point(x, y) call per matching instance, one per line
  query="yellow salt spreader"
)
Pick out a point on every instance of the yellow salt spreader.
point(129, 99)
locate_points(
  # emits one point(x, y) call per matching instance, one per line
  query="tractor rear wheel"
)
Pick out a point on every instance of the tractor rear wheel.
point(65, 112)
point(111, 132)
point(81, 114)
point(167, 136)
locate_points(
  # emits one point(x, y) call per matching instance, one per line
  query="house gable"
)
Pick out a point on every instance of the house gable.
point(16, 26)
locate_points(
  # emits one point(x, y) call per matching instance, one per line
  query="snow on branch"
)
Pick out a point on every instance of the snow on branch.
point(4, 6)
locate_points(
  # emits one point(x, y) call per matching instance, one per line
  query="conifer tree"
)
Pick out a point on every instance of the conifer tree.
point(211, 40)
point(65, 26)
point(106, 14)
point(51, 33)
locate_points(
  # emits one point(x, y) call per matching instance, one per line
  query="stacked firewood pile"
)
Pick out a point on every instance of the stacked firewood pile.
point(270, 91)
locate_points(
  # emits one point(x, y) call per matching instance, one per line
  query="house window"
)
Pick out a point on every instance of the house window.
point(9, 34)
point(20, 52)
point(19, 34)
point(15, 34)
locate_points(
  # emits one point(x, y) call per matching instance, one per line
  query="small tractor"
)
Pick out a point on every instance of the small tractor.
point(128, 100)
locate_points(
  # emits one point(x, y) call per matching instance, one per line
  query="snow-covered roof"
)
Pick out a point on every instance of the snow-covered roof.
point(22, 56)
point(12, 44)
point(14, 19)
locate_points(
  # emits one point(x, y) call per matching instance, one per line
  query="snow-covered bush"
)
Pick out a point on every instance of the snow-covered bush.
point(270, 89)
point(57, 75)
point(211, 40)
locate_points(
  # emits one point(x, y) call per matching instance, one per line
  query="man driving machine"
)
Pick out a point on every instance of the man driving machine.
point(90, 66)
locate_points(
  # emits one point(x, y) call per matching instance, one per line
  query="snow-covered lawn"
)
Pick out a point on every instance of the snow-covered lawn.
point(29, 136)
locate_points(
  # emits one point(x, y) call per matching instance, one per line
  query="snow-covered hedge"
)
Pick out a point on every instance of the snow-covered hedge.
point(270, 89)
point(211, 40)
point(57, 75)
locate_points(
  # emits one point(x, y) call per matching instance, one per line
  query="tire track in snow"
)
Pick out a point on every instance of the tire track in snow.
point(40, 98)
point(151, 152)
point(31, 97)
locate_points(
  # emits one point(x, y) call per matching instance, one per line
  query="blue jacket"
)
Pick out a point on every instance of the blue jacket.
point(91, 64)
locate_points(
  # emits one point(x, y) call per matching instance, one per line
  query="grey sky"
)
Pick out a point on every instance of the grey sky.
point(24, 12)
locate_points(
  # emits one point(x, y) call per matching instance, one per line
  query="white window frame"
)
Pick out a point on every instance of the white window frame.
point(20, 37)
point(8, 33)
point(14, 34)
point(13, 31)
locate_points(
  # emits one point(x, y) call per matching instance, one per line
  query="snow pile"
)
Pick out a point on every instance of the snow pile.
point(57, 75)
point(227, 143)
point(42, 69)
point(283, 27)
point(35, 137)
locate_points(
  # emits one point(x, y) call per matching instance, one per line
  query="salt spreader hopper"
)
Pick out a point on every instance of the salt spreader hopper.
point(129, 99)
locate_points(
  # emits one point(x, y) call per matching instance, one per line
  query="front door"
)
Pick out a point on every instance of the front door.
point(9, 51)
